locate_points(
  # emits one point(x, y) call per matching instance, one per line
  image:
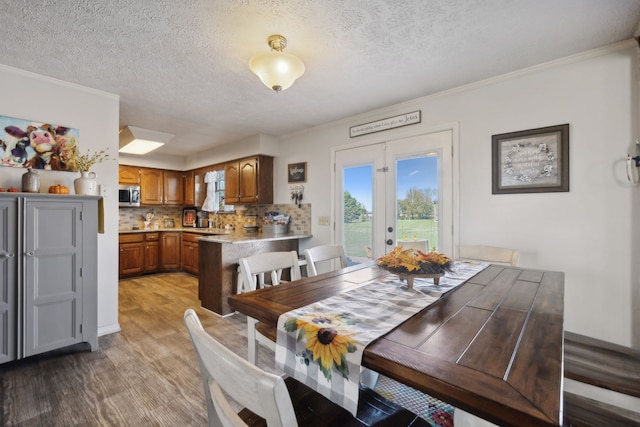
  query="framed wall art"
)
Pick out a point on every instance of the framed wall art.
point(531, 161)
point(189, 217)
point(29, 144)
point(297, 172)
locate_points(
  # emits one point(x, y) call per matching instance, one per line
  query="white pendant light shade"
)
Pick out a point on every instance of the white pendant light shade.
point(276, 69)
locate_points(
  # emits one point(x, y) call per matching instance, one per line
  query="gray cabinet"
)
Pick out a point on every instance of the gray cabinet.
point(52, 241)
point(8, 278)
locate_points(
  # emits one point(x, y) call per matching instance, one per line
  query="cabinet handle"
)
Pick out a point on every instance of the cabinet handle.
point(30, 253)
point(121, 249)
point(7, 255)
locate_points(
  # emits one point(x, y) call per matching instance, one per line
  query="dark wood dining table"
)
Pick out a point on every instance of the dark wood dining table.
point(492, 346)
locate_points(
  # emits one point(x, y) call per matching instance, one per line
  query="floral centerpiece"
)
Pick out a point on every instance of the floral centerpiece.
point(411, 261)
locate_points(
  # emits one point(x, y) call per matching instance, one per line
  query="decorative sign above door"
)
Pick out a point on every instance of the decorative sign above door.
point(386, 124)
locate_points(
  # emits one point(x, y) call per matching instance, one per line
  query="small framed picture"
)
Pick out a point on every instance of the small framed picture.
point(531, 161)
point(297, 172)
point(188, 217)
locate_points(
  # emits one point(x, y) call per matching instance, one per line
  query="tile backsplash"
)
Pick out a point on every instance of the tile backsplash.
point(300, 216)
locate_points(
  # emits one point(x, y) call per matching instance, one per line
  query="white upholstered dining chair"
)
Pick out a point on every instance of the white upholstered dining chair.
point(322, 255)
point(493, 254)
point(252, 272)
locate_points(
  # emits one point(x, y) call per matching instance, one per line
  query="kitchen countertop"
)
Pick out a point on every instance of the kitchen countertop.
point(203, 231)
point(241, 237)
point(221, 235)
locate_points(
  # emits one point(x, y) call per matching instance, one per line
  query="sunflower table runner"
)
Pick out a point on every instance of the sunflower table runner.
point(321, 344)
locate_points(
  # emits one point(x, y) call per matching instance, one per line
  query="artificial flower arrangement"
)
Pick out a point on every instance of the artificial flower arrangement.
point(413, 261)
point(84, 162)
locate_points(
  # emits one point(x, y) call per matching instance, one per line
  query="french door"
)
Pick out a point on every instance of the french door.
point(397, 192)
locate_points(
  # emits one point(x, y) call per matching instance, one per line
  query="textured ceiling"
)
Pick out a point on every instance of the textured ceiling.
point(181, 66)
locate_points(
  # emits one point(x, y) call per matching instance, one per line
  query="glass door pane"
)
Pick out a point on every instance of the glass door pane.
point(359, 203)
point(417, 202)
point(357, 213)
point(419, 192)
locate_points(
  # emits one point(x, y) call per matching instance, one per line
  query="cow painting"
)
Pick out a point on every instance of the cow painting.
point(37, 145)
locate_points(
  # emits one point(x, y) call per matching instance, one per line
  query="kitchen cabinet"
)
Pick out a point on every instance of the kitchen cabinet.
point(151, 186)
point(128, 175)
point(189, 189)
point(151, 252)
point(131, 254)
point(173, 188)
point(170, 251)
point(249, 181)
point(218, 268)
point(52, 303)
point(139, 253)
point(161, 187)
point(190, 252)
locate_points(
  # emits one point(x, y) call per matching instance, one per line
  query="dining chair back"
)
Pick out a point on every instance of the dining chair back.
point(319, 256)
point(223, 371)
point(252, 274)
point(493, 254)
point(254, 267)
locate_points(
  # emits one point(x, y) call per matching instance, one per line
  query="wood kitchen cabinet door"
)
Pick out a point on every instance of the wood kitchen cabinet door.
point(151, 186)
point(152, 252)
point(249, 181)
point(170, 251)
point(190, 252)
point(131, 254)
point(232, 183)
point(131, 259)
point(189, 188)
point(128, 175)
point(173, 184)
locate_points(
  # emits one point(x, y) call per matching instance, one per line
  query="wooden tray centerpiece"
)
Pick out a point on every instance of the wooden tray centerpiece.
point(410, 263)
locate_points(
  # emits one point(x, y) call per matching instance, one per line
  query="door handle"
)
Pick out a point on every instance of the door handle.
point(7, 255)
point(389, 242)
point(390, 229)
point(30, 253)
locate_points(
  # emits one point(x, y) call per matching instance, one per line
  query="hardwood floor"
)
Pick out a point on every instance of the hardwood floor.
point(145, 375)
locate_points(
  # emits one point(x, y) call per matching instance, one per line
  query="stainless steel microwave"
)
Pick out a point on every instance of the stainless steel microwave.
point(129, 195)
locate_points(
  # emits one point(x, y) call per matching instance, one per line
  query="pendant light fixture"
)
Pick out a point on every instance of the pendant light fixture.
point(276, 69)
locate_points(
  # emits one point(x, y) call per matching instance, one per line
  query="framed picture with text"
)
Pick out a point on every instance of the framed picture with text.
point(531, 161)
point(297, 172)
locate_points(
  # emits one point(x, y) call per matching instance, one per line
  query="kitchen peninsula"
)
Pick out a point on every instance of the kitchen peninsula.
point(218, 262)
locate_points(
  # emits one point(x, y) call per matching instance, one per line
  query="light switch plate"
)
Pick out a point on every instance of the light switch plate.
point(104, 189)
point(324, 220)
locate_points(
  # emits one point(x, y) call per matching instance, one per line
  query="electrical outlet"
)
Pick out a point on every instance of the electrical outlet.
point(324, 220)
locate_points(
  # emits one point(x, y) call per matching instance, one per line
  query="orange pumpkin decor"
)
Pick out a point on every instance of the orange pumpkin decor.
point(59, 189)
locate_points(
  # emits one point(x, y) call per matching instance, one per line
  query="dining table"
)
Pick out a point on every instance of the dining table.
point(492, 346)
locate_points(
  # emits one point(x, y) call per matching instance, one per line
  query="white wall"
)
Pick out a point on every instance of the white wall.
point(588, 233)
point(95, 114)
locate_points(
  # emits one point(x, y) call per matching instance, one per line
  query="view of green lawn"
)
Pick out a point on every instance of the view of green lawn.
point(357, 235)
